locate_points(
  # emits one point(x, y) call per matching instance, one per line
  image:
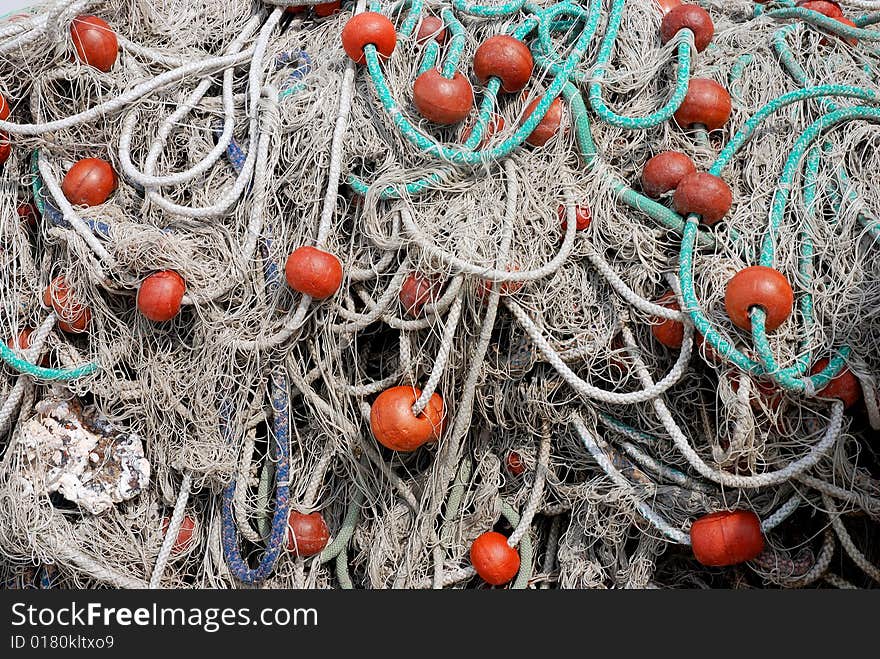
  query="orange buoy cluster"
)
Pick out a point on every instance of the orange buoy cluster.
point(307, 535)
point(494, 560)
point(396, 427)
point(696, 192)
point(73, 315)
point(727, 538)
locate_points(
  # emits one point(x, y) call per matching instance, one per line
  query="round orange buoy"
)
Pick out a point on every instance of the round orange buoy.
point(368, 28)
point(95, 42)
point(706, 103)
point(494, 560)
point(442, 100)
point(515, 464)
point(758, 286)
point(326, 9)
point(73, 316)
point(89, 182)
point(313, 272)
point(703, 194)
point(160, 295)
point(667, 331)
point(664, 172)
point(494, 125)
point(307, 535)
point(4, 109)
point(5, 147)
point(507, 58)
point(185, 533)
point(396, 427)
point(431, 27)
point(417, 290)
point(727, 538)
point(582, 217)
point(844, 386)
point(692, 17)
point(549, 125)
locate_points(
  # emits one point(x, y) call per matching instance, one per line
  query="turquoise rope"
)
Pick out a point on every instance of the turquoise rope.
point(40, 373)
point(682, 78)
point(825, 23)
point(487, 11)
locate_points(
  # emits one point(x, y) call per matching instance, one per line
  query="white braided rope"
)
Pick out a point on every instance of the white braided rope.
point(37, 341)
point(585, 389)
point(630, 295)
point(782, 513)
point(440, 360)
point(537, 493)
point(846, 541)
point(125, 99)
point(592, 445)
point(493, 274)
point(791, 470)
point(173, 529)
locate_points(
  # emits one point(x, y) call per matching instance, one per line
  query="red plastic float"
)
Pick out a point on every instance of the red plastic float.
point(5, 147)
point(431, 27)
point(549, 125)
point(95, 42)
point(28, 213)
point(506, 58)
point(417, 291)
point(705, 194)
point(664, 171)
point(667, 6)
point(184, 534)
point(515, 464)
point(844, 386)
point(73, 316)
point(693, 17)
point(160, 294)
point(313, 272)
point(442, 100)
point(706, 103)
point(494, 560)
point(509, 287)
point(396, 427)
point(4, 109)
point(307, 535)
point(852, 41)
point(582, 217)
point(89, 182)
point(368, 28)
point(326, 9)
point(667, 331)
point(825, 7)
point(758, 286)
point(727, 538)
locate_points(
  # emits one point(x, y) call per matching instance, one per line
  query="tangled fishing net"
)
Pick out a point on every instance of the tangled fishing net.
point(421, 321)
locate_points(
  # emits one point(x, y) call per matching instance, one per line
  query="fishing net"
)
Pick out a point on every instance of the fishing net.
point(600, 406)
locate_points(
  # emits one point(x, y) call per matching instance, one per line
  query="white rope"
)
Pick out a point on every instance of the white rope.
point(173, 529)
